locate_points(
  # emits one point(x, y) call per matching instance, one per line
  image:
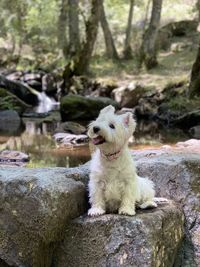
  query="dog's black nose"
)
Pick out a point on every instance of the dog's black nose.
point(96, 129)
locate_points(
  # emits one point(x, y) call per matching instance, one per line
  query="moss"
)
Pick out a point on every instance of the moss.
point(10, 102)
point(183, 104)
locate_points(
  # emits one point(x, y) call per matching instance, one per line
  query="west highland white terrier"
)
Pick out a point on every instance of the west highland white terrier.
point(114, 184)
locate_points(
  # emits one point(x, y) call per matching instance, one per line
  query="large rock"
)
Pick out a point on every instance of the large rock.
point(20, 90)
point(77, 107)
point(152, 238)
point(10, 122)
point(128, 96)
point(176, 173)
point(195, 131)
point(13, 157)
point(174, 29)
point(71, 127)
point(35, 206)
point(11, 102)
point(181, 28)
point(70, 140)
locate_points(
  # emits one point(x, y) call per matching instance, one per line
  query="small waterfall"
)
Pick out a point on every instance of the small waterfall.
point(45, 103)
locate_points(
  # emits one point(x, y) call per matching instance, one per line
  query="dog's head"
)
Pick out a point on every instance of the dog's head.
point(111, 130)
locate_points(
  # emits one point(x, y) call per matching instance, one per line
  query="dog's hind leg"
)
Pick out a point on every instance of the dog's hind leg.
point(148, 204)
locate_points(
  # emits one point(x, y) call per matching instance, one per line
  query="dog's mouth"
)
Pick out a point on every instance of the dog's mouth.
point(98, 140)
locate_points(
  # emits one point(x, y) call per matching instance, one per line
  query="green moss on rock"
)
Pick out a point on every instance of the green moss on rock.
point(11, 102)
point(77, 107)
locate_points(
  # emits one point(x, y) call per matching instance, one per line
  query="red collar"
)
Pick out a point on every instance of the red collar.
point(111, 156)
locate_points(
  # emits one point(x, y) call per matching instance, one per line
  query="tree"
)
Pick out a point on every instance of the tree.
point(111, 50)
point(198, 8)
point(73, 23)
point(62, 28)
point(148, 51)
point(127, 43)
point(194, 87)
point(79, 63)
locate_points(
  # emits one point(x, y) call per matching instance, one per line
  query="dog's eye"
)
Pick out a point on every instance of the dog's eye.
point(112, 126)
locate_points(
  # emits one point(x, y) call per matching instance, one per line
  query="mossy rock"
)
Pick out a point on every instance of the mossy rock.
point(11, 102)
point(77, 107)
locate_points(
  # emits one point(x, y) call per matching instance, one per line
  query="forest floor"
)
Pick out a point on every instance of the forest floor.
point(174, 66)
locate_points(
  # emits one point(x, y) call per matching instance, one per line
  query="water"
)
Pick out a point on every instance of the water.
point(36, 140)
point(46, 103)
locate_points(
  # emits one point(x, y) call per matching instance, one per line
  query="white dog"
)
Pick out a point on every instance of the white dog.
point(114, 184)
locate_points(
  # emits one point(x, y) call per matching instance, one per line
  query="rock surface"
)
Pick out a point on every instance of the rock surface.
point(35, 205)
point(11, 102)
point(10, 122)
point(151, 238)
point(128, 96)
point(71, 127)
point(77, 107)
point(12, 157)
point(195, 131)
point(176, 173)
point(66, 139)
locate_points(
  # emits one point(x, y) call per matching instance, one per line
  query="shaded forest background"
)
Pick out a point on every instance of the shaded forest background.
point(61, 61)
point(142, 54)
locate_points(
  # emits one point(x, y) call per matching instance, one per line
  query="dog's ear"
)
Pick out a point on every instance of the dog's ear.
point(129, 121)
point(127, 117)
point(107, 109)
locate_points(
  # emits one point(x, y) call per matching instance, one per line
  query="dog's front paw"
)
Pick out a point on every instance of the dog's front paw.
point(96, 211)
point(127, 211)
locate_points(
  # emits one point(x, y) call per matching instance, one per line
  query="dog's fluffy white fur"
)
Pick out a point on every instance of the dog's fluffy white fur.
point(114, 184)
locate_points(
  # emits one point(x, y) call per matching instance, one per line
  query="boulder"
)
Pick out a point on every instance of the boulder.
point(181, 28)
point(71, 127)
point(188, 119)
point(10, 122)
point(12, 157)
point(35, 206)
point(11, 102)
point(174, 29)
point(77, 107)
point(128, 96)
point(152, 238)
point(20, 90)
point(195, 131)
point(176, 173)
point(69, 140)
point(49, 84)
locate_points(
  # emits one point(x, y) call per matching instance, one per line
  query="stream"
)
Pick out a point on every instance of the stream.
point(36, 139)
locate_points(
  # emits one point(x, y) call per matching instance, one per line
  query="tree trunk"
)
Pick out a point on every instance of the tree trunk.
point(148, 52)
point(62, 28)
point(80, 62)
point(73, 22)
point(198, 8)
point(146, 17)
point(127, 44)
point(111, 50)
point(194, 87)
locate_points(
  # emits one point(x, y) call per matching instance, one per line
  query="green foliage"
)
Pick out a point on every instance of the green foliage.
point(8, 101)
point(34, 23)
point(183, 104)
